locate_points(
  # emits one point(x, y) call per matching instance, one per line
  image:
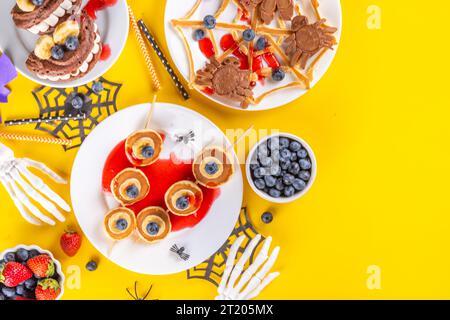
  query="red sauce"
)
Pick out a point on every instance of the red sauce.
point(161, 175)
point(271, 60)
point(208, 90)
point(245, 15)
point(106, 52)
point(227, 42)
point(206, 47)
point(93, 6)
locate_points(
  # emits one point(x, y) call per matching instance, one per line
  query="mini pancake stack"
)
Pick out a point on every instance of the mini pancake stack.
point(42, 16)
point(69, 53)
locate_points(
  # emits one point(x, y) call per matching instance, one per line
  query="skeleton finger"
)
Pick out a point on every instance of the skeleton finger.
point(258, 278)
point(50, 207)
point(27, 203)
point(29, 218)
point(42, 167)
point(240, 265)
point(266, 281)
point(38, 184)
point(229, 264)
point(260, 259)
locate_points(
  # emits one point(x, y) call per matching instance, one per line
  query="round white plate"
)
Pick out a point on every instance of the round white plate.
point(89, 203)
point(175, 9)
point(17, 43)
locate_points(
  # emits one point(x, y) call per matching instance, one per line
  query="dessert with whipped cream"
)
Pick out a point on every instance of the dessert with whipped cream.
point(153, 224)
point(184, 198)
point(119, 223)
point(143, 147)
point(71, 51)
point(42, 16)
point(212, 167)
point(130, 186)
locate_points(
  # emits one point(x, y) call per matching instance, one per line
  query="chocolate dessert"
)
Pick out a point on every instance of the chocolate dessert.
point(184, 198)
point(212, 167)
point(153, 224)
point(119, 223)
point(130, 186)
point(69, 53)
point(42, 16)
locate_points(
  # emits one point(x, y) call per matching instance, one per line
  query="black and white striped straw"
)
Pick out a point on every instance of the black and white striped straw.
point(19, 122)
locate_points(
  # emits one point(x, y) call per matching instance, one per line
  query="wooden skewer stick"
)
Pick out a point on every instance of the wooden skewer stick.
point(150, 112)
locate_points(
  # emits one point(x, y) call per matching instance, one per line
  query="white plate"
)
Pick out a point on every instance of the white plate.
point(17, 43)
point(175, 9)
point(90, 206)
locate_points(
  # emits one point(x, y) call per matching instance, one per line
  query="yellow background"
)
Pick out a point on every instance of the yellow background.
point(378, 122)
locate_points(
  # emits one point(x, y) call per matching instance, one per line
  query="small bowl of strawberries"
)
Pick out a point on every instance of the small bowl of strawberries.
point(30, 273)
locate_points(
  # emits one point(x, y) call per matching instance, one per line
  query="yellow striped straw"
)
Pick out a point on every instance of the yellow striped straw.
point(34, 138)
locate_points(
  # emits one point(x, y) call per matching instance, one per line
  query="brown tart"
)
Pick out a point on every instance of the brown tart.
point(143, 147)
point(130, 186)
point(212, 167)
point(153, 224)
point(184, 198)
point(119, 223)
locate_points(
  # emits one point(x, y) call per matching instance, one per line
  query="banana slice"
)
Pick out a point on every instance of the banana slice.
point(69, 28)
point(25, 5)
point(43, 48)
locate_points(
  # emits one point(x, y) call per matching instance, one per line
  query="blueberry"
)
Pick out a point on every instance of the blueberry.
point(77, 102)
point(294, 168)
point(121, 224)
point(280, 185)
point(270, 181)
point(305, 164)
point(278, 75)
point(37, 2)
point(263, 150)
point(57, 52)
point(294, 157)
point(72, 43)
point(91, 265)
point(33, 253)
point(259, 172)
point(288, 179)
point(275, 155)
point(261, 44)
point(299, 184)
point(254, 166)
point(9, 292)
point(304, 175)
point(199, 34)
point(274, 193)
point(289, 191)
point(211, 168)
point(273, 144)
point(152, 228)
point(267, 217)
point(284, 164)
point(29, 294)
point(284, 142)
point(9, 257)
point(30, 283)
point(147, 152)
point(209, 21)
point(260, 184)
point(249, 35)
point(182, 202)
point(302, 153)
point(97, 87)
point(266, 161)
point(285, 154)
point(132, 191)
point(275, 170)
point(20, 289)
point(295, 146)
point(22, 255)
point(2, 297)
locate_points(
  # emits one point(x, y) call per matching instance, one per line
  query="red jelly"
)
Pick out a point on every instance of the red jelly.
point(206, 47)
point(161, 175)
point(245, 15)
point(106, 52)
point(271, 60)
point(208, 90)
point(96, 5)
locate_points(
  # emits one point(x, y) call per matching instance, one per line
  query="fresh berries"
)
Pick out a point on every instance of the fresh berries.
point(42, 266)
point(57, 52)
point(152, 228)
point(37, 2)
point(77, 102)
point(47, 289)
point(72, 43)
point(199, 34)
point(147, 152)
point(248, 35)
point(22, 255)
point(278, 74)
point(261, 44)
point(132, 191)
point(91, 265)
point(70, 243)
point(10, 256)
point(97, 87)
point(31, 283)
point(121, 224)
point(182, 203)
point(211, 168)
point(14, 273)
point(267, 217)
point(209, 22)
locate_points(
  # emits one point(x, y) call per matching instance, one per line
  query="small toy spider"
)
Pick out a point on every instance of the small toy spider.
point(135, 296)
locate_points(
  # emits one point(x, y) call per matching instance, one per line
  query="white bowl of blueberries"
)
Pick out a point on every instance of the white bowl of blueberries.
point(281, 168)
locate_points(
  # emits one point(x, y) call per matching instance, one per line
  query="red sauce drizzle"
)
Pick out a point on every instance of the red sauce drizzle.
point(161, 174)
point(206, 47)
point(271, 60)
point(106, 52)
point(93, 6)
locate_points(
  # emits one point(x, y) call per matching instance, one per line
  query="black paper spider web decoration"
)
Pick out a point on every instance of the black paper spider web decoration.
point(53, 102)
point(212, 269)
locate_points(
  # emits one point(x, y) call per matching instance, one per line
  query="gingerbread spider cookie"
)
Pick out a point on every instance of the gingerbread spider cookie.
point(267, 8)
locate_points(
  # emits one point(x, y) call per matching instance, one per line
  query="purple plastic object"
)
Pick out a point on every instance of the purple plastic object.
point(7, 74)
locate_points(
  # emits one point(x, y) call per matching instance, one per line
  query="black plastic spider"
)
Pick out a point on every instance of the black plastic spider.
point(135, 296)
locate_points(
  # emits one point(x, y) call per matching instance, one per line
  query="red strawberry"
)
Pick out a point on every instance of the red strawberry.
point(70, 243)
point(42, 266)
point(13, 273)
point(47, 289)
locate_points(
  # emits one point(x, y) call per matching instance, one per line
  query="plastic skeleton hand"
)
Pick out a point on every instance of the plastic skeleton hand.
point(12, 174)
point(254, 283)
